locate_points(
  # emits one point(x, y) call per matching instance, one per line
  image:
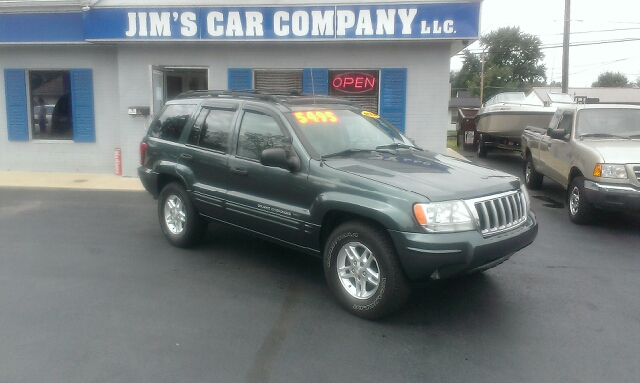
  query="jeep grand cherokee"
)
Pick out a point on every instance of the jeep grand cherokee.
point(324, 177)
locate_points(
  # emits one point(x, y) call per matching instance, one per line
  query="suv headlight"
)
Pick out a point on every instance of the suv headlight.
point(610, 171)
point(444, 217)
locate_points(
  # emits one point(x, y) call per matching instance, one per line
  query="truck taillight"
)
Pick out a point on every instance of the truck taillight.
point(143, 152)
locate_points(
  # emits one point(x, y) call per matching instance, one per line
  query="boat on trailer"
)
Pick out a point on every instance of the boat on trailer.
point(503, 118)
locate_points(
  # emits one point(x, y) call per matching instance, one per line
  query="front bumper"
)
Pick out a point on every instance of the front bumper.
point(438, 256)
point(618, 197)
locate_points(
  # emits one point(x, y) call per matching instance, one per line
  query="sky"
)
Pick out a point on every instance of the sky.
point(597, 26)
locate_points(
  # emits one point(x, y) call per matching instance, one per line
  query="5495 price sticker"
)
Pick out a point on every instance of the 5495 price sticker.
point(316, 116)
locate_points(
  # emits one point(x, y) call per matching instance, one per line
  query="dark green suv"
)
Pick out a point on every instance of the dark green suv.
point(324, 177)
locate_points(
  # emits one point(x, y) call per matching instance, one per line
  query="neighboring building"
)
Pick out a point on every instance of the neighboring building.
point(592, 95)
point(462, 100)
point(108, 65)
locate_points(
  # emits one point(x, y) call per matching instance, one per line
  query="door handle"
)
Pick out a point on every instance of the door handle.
point(240, 171)
point(186, 156)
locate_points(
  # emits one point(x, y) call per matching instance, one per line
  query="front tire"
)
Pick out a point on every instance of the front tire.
point(581, 211)
point(179, 220)
point(532, 178)
point(363, 272)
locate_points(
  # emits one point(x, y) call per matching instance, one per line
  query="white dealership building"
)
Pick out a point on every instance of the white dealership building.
point(82, 79)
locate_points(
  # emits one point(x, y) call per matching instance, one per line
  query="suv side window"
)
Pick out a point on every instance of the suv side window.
point(194, 134)
point(170, 124)
point(212, 129)
point(258, 132)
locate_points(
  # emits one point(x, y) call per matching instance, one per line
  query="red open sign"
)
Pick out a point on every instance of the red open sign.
point(354, 82)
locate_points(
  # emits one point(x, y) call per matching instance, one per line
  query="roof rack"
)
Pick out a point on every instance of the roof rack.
point(274, 96)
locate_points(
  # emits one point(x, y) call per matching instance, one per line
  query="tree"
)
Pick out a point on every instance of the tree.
point(611, 80)
point(512, 62)
point(461, 79)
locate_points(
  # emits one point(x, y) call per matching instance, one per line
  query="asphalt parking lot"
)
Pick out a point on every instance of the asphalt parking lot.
point(91, 291)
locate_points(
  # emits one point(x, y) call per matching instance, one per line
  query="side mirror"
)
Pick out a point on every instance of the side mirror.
point(558, 134)
point(277, 157)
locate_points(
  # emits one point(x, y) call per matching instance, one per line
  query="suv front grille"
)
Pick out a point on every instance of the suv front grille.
point(500, 213)
point(636, 171)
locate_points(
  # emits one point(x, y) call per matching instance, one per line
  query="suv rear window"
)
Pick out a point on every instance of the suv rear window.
point(171, 122)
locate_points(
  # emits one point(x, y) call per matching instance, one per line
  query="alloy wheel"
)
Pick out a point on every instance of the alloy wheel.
point(358, 270)
point(574, 201)
point(175, 214)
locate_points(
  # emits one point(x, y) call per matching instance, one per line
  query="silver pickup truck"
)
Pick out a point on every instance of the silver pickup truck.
point(594, 152)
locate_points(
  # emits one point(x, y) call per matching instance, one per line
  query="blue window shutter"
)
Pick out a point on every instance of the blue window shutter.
point(393, 95)
point(240, 78)
point(84, 129)
point(315, 81)
point(15, 87)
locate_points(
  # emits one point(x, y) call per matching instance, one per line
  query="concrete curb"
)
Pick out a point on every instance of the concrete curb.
point(86, 181)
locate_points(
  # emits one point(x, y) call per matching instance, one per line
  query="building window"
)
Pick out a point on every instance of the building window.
point(50, 95)
point(357, 85)
point(66, 94)
point(382, 91)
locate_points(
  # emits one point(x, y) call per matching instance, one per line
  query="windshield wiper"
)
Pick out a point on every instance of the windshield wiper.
point(346, 152)
point(396, 145)
point(634, 136)
point(602, 135)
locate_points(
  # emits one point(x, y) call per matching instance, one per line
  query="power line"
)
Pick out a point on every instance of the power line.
point(598, 31)
point(554, 46)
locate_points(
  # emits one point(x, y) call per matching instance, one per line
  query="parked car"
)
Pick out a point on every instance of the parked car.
point(324, 177)
point(593, 151)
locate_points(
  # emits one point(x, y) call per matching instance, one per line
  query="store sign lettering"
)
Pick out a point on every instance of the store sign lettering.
point(354, 82)
point(298, 23)
point(159, 24)
point(448, 20)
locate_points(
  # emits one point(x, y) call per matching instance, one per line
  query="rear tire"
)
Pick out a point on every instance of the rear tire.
point(532, 178)
point(179, 220)
point(581, 211)
point(363, 272)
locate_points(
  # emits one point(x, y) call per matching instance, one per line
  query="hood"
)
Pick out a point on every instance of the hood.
point(435, 176)
point(617, 151)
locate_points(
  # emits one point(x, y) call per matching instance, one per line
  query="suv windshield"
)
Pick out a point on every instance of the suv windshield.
point(341, 130)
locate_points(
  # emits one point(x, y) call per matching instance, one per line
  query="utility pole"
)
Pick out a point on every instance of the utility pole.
point(482, 79)
point(565, 47)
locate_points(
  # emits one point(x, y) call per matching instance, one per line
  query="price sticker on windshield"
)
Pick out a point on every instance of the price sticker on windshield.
point(316, 116)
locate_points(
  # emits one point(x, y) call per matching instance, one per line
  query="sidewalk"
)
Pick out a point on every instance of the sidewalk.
point(88, 181)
